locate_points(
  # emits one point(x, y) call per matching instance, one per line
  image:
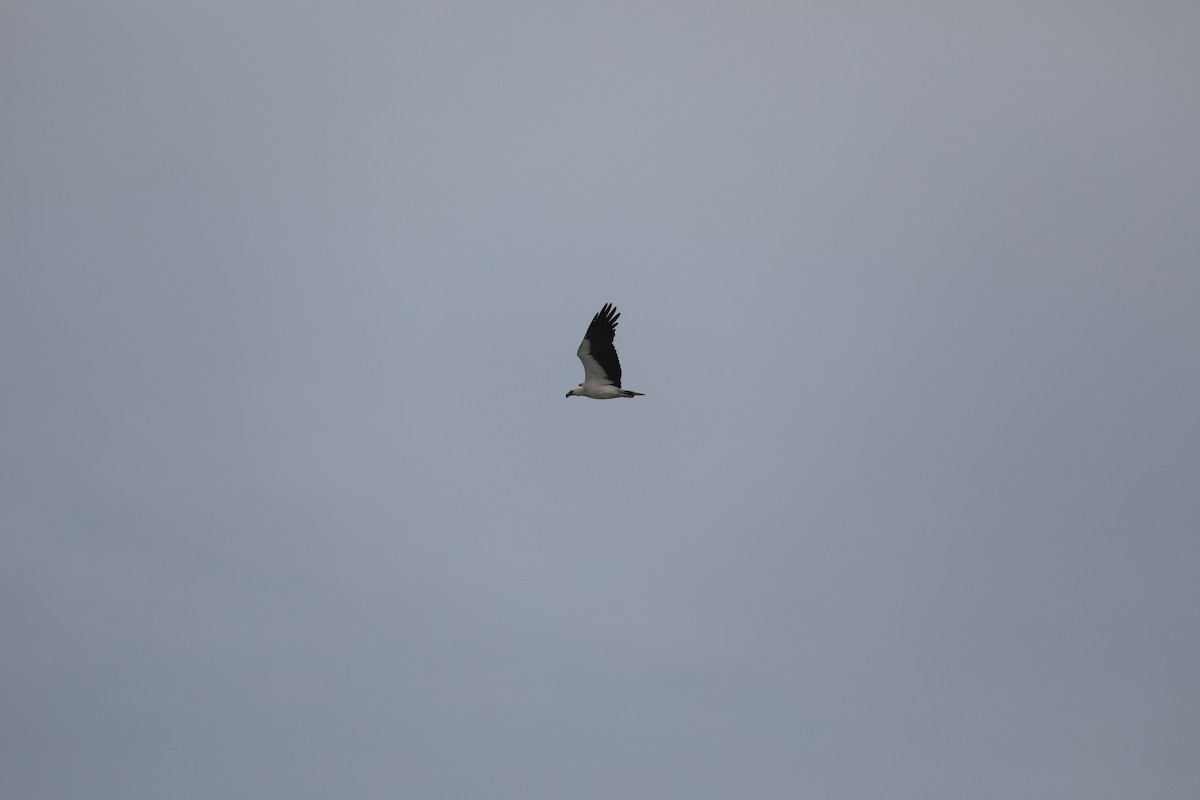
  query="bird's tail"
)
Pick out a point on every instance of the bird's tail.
point(627, 393)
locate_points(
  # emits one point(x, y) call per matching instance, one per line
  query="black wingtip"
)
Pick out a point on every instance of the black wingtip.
point(608, 314)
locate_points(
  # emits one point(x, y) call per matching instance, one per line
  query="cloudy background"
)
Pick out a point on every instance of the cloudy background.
point(292, 503)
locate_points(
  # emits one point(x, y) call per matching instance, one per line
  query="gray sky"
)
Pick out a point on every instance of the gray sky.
point(293, 504)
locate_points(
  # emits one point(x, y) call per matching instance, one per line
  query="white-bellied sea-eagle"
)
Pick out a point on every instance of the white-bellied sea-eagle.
point(601, 369)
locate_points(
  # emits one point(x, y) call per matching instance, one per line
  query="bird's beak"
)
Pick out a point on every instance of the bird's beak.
point(568, 394)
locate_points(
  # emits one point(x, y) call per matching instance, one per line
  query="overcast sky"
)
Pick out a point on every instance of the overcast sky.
point(292, 502)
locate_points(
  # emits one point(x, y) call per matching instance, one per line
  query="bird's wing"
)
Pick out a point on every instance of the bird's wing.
point(596, 351)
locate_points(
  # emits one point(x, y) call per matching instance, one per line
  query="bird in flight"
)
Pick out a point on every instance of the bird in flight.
point(601, 369)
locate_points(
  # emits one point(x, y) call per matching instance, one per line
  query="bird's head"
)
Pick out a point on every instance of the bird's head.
point(575, 391)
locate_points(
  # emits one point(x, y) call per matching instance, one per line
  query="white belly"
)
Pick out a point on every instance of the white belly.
point(605, 392)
